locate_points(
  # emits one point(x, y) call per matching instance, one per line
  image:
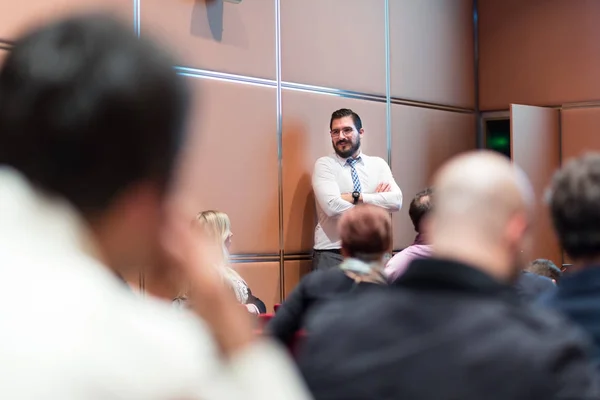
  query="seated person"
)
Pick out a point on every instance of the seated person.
point(449, 327)
point(544, 267)
point(366, 237)
point(419, 209)
point(217, 226)
point(532, 287)
point(574, 198)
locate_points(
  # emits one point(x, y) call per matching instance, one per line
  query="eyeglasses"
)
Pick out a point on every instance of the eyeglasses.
point(335, 133)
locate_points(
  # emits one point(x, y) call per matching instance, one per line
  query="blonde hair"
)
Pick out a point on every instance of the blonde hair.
point(217, 226)
point(215, 223)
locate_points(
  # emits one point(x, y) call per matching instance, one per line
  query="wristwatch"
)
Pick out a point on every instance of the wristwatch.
point(355, 196)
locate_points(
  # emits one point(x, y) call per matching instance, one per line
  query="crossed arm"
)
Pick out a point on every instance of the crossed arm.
point(381, 188)
point(329, 197)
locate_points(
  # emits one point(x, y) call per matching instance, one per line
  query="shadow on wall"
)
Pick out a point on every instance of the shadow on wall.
point(297, 177)
point(207, 22)
point(430, 151)
point(435, 153)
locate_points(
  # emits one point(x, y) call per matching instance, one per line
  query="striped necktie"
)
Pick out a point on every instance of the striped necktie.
point(355, 181)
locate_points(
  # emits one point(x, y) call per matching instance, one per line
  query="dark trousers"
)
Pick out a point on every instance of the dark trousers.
point(326, 259)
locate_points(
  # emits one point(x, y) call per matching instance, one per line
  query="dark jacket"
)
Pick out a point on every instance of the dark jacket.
point(444, 330)
point(578, 298)
point(314, 290)
point(531, 287)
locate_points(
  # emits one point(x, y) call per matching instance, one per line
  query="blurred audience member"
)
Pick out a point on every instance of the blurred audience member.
point(450, 327)
point(90, 117)
point(544, 267)
point(366, 236)
point(217, 227)
point(574, 206)
point(531, 287)
point(418, 211)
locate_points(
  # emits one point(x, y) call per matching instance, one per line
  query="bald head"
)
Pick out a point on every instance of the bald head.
point(481, 186)
point(483, 200)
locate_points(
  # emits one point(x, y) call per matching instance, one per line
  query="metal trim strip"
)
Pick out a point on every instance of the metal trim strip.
point(388, 83)
point(207, 74)
point(224, 76)
point(137, 26)
point(478, 122)
point(279, 148)
point(581, 104)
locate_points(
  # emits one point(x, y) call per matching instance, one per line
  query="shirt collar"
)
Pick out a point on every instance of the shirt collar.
point(440, 274)
point(343, 161)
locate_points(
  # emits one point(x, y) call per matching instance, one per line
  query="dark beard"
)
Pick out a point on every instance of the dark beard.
point(350, 151)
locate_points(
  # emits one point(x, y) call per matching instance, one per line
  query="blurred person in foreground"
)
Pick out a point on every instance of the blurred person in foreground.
point(451, 326)
point(216, 226)
point(365, 232)
point(419, 210)
point(90, 118)
point(574, 199)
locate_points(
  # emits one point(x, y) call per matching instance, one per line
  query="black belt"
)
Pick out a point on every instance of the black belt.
point(336, 251)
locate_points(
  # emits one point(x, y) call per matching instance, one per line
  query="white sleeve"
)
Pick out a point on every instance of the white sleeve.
point(262, 371)
point(392, 200)
point(327, 190)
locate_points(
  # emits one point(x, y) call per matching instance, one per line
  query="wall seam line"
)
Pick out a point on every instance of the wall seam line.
point(137, 31)
point(136, 17)
point(480, 139)
point(388, 78)
point(279, 146)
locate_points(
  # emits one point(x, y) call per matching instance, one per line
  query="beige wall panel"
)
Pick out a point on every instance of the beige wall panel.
point(214, 35)
point(295, 270)
point(422, 140)
point(17, 16)
point(306, 138)
point(263, 280)
point(230, 161)
point(334, 43)
point(431, 51)
point(539, 52)
point(580, 131)
point(535, 147)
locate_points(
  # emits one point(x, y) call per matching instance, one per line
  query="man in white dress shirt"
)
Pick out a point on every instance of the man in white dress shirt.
point(89, 119)
point(344, 179)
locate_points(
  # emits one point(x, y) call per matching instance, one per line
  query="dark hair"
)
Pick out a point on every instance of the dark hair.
point(346, 112)
point(420, 206)
point(87, 109)
point(366, 231)
point(544, 267)
point(574, 199)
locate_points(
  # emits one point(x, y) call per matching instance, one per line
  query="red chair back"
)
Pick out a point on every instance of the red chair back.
point(263, 319)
